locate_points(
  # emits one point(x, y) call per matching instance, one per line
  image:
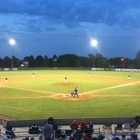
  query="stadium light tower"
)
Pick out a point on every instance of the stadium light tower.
point(12, 42)
point(122, 59)
point(94, 44)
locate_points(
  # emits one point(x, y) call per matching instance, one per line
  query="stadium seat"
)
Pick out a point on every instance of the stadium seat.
point(118, 127)
point(107, 128)
point(126, 126)
point(68, 132)
point(58, 133)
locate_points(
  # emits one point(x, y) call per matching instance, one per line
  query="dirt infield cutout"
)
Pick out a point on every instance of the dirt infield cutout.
point(69, 96)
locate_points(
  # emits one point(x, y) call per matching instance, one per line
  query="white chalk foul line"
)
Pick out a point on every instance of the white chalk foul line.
point(128, 84)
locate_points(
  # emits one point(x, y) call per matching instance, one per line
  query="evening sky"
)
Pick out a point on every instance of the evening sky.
point(48, 27)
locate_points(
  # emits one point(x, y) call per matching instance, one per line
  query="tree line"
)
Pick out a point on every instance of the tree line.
point(72, 60)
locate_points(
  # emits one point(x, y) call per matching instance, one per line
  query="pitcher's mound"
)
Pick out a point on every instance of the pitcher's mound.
point(64, 83)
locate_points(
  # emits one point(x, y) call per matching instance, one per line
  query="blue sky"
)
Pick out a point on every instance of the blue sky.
point(48, 27)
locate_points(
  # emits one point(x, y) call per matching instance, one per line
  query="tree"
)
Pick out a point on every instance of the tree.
point(137, 60)
point(7, 62)
point(39, 61)
point(91, 60)
point(26, 58)
point(1, 63)
point(55, 60)
point(103, 63)
point(69, 60)
point(84, 61)
point(129, 63)
point(45, 61)
point(116, 62)
point(15, 61)
point(97, 58)
point(31, 61)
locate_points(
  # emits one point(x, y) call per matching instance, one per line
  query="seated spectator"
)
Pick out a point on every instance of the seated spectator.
point(90, 125)
point(123, 137)
point(85, 137)
point(74, 125)
point(34, 129)
point(72, 138)
point(94, 138)
point(9, 132)
point(26, 138)
point(134, 136)
point(134, 124)
point(129, 138)
point(113, 137)
point(117, 138)
point(5, 138)
point(101, 137)
point(60, 138)
point(40, 137)
point(83, 124)
point(32, 138)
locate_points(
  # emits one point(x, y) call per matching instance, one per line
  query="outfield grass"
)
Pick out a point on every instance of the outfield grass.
point(25, 97)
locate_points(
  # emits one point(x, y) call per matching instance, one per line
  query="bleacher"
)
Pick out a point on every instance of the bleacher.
point(104, 126)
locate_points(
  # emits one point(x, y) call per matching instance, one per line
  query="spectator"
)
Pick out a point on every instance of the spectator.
point(116, 138)
point(123, 137)
point(5, 138)
point(85, 137)
point(34, 126)
point(83, 124)
point(113, 137)
point(90, 125)
point(74, 125)
point(48, 131)
point(32, 138)
point(60, 138)
point(129, 138)
point(10, 132)
point(26, 138)
point(34, 129)
point(101, 137)
point(72, 138)
point(133, 135)
point(40, 137)
point(136, 137)
point(94, 138)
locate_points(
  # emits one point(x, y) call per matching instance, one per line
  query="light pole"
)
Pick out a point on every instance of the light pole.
point(123, 61)
point(94, 44)
point(12, 42)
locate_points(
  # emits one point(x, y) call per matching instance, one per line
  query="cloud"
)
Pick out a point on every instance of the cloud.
point(71, 13)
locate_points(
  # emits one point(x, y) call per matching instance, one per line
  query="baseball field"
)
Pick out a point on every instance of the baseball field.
point(34, 94)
